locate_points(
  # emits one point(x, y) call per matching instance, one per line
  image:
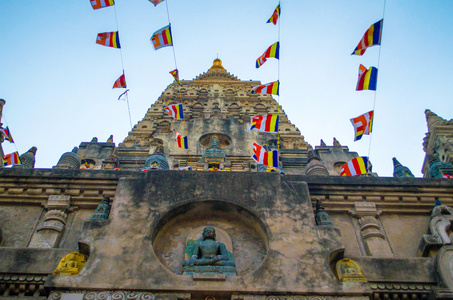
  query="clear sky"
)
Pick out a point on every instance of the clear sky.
point(57, 81)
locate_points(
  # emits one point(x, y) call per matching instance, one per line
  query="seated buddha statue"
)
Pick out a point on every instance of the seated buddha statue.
point(209, 252)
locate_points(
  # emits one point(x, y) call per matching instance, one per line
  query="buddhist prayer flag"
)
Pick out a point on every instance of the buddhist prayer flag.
point(175, 74)
point(123, 94)
point(120, 82)
point(272, 51)
point(447, 176)
point(268, 158)
point(356, 166)
point(273, 19)
point(362, 69)
point(265, 123)
point(181, 140)
point(362, 125)
point(268, 88)
point(162, 38)
point(11, 159)
point(109, 39)
point(96, 4)
point(155, 2)
point(175, 111)
point(371, 37)
point(189, 168)
point(367, 79)
point(7, 134)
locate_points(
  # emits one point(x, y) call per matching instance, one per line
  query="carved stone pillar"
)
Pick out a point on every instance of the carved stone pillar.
point(49, 233)
point(376, 244)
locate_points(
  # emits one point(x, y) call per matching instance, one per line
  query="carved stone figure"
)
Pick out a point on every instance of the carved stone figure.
point(209, 255)
point(71, 264)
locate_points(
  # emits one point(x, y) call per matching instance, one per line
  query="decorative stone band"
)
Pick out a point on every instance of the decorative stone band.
point(392, 290)
point(292, 297)
point(116, 295)
point(22, 285)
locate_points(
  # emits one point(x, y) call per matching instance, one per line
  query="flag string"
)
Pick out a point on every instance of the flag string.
point(179, 84)
point(375, 92)
point(122, 66)
point(278, 79)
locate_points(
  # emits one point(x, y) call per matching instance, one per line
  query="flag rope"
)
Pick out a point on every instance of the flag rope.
point(375, 92)
point(176, 67)
point(122, 65)
point(278, 78)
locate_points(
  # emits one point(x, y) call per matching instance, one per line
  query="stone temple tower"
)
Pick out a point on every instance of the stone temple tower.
point(216, 104)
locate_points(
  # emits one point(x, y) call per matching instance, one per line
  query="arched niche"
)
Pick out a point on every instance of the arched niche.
point(224, 139)
point(249, 240)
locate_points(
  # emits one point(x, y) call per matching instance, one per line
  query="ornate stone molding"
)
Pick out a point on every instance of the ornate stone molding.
point(289, 297)
point(116, 295)
point(22, 285)
point(400, 290)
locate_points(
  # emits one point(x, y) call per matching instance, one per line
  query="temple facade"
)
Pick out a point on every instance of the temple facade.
point(125, 222)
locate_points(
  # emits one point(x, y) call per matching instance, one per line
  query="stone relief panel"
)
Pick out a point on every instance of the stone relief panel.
point(247, 234)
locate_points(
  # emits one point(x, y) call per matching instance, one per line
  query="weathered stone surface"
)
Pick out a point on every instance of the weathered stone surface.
point(296, 252)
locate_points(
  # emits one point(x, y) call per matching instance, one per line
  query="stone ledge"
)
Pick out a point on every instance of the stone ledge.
point(209, 276)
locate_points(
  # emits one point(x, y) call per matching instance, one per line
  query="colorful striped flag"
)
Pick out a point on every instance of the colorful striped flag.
point(265, 123)
point(175, 74)
point(11, 159)
point(362, 125)
point(272, 51)
point(273, 19)
point(367, 79)
point(371, 37)
point(109, 39)
point(189, 168)
point(7, 134)
point(162, 38)
point(268, 158)
point(155, 2)
point(120, 82)
point(268, 88)
point(182, 140)
point(447, 175)
point(96, 4)
point(356, 166)
point(175, 111)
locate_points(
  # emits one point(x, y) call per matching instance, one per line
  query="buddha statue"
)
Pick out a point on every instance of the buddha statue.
point(71, 264)
point(209, 256)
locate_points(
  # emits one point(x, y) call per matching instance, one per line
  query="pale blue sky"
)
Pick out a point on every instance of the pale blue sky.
point(57, 81)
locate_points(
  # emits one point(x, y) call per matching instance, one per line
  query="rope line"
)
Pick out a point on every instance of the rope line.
point(377, 77)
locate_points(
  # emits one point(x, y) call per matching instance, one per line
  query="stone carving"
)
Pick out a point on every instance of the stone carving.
point(22, 285)
point(71, 264)
point(399, 170)
point(103, 210)
point(116, 295)
point(157, 160)
point(69, 160)
point(213, 157)
point(315, 166)
point(208, 256)
point(374, 239)
point(48, 233)
point(348, 270)
point(28, 158)
point(439, 230)
point(321, 216)
point(375, 242)
point(444, 272)
point(400, 290)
